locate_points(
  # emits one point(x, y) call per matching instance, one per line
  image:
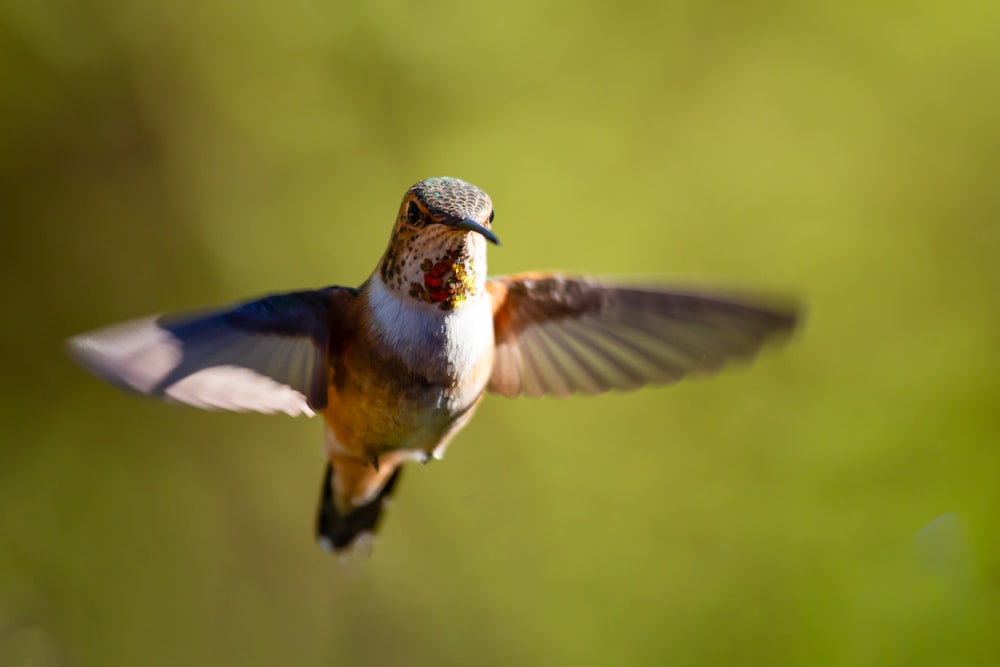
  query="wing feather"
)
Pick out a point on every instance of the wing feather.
point(558, 335)
point(267, 355)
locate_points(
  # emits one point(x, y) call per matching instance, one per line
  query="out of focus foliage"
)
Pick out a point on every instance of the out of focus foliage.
point(170, 155)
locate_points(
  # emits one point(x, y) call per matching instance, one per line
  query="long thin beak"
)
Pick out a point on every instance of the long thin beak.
point(470, 225)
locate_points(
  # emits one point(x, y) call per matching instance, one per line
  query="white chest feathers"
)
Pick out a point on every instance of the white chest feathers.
point(444, 345)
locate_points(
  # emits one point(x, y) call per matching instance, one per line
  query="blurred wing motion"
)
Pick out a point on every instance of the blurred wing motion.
point(559, 335)
point(268, 355)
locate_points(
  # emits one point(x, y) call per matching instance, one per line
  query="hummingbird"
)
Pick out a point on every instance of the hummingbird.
point(397, 366)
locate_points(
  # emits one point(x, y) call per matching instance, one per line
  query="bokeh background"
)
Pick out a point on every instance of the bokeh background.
point(838, 504)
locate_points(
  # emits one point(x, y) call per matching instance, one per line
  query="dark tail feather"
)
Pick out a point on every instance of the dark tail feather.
point(336, 531)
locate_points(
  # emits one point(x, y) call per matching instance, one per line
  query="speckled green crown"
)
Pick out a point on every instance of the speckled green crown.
point(452, 198)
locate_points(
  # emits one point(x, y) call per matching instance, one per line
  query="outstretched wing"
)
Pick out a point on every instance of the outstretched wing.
point(560, 335)
point(268, 355)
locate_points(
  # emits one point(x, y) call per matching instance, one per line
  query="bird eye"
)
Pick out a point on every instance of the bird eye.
point(413, 213)
point(491, 216)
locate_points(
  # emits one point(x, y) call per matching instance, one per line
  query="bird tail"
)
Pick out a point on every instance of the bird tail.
point(337, 530)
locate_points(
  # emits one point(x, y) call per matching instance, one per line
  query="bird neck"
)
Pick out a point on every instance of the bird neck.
point(434, 266)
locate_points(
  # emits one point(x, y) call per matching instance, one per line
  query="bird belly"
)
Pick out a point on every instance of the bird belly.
point(372, 429)
point(373, 424)
point(412, 381)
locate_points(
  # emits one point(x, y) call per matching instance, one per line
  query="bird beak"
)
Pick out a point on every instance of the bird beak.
point(470, 225)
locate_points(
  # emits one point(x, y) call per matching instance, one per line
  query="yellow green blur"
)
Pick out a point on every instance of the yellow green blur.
point(837, 504)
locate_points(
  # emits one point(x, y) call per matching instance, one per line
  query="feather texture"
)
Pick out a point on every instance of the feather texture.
point(268, 355)
point(558, 335)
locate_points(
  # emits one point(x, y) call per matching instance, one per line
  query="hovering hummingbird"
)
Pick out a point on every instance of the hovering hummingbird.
point(398, 365)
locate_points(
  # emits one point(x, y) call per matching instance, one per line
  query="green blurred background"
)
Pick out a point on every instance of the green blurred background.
point(169, 155)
